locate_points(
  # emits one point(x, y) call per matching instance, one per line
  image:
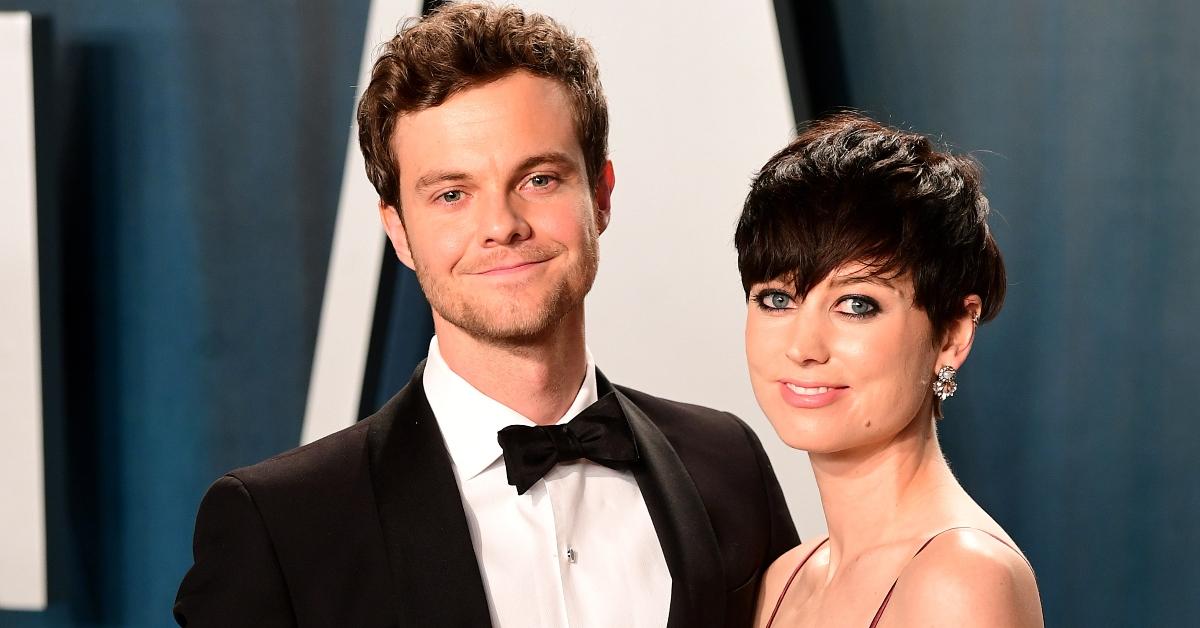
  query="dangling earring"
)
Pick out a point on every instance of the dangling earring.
point(945, 385)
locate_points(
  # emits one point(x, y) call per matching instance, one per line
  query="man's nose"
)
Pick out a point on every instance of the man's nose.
point(502, 221)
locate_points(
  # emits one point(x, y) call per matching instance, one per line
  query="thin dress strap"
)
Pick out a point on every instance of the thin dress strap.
point(779, 601)
point(888, 598)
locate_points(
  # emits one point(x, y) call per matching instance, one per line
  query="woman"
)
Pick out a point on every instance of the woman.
point(868, 267)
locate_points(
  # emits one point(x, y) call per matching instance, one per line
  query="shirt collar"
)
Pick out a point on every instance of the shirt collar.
point(469, 419)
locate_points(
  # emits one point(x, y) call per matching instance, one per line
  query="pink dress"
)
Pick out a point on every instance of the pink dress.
point(888, 597)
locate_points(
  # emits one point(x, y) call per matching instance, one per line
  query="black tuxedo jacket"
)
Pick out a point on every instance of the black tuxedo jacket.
point(366, 527)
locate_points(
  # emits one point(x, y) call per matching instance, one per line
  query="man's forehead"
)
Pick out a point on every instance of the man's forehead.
point(497, 124)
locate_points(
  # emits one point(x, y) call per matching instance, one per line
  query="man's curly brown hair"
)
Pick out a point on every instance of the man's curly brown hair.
point(459, 46)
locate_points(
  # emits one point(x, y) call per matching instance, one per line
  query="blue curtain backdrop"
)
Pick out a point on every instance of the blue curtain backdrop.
point(190, 156)
point(1076, 423)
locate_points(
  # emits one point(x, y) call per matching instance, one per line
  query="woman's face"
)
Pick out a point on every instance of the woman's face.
point(848, 366)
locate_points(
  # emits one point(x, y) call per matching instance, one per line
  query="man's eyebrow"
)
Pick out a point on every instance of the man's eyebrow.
point(556, 158)
point(431, 179)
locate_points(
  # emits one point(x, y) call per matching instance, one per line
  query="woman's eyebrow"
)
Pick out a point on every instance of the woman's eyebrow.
point(839, 282)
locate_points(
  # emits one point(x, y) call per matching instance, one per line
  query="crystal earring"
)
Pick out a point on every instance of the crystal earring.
point(945, 385)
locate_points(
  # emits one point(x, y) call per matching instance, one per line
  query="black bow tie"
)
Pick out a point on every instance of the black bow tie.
point(600, 433)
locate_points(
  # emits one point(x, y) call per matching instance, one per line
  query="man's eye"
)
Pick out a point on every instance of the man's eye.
point(540, 180)
point(773, 300)
point(453, 196)
point(858, 307)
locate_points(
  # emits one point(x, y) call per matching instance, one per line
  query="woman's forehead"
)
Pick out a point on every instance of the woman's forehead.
point(883, 274)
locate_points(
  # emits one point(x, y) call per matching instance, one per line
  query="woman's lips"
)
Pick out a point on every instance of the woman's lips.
point(810, 395)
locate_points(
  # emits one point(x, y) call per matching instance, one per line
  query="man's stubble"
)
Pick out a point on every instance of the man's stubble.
point(503, 319)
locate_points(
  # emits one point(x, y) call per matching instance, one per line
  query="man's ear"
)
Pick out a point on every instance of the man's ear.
point(960, 335)
point(603, 195)
point(394, 226)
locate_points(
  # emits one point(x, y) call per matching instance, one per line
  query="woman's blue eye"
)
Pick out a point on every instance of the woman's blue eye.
point(773, 300)
point(858, 307)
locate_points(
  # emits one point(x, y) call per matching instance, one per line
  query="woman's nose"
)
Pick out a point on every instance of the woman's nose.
point(808, 342)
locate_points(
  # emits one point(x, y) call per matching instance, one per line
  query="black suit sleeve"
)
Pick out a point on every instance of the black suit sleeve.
point(236, 579)
point(783, 535)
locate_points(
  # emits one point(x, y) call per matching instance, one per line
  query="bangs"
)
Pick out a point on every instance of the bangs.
point(800, 238)
point(849, 190)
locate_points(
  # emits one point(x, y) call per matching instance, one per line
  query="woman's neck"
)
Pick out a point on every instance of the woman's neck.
point(882, 493)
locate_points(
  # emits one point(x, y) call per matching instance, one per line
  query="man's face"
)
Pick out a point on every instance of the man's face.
point(499, 222)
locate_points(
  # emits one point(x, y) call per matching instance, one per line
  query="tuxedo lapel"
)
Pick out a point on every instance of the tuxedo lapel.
point(684, 531)
point(435, 574)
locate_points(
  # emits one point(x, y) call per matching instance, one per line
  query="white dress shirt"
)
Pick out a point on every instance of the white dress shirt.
point(577, 549)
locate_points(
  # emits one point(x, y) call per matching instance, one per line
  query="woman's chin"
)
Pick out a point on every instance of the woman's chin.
point(813, 442)
point(821, 440)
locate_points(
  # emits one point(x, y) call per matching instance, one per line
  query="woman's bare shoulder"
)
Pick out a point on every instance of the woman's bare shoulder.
point(777, 576)
point(967, 577)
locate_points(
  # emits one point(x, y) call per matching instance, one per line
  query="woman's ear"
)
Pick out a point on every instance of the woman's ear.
point(960, 334)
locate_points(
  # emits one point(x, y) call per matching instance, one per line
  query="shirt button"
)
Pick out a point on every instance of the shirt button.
point(572, 555)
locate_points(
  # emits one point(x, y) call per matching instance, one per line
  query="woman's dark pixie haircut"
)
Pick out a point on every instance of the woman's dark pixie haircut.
point(850, 189)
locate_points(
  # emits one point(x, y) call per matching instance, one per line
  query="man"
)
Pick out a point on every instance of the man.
point(484, 131)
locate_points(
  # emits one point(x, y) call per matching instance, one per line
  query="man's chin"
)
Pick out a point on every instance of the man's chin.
point(523, 315)
point(504, 326)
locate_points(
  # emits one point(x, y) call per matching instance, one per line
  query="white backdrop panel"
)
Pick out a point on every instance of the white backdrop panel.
point(22, 505)
point(351, 283)
point(698, 100)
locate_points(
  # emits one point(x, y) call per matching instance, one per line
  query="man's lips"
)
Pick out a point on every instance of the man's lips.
point(509, 268)
point(810, 394)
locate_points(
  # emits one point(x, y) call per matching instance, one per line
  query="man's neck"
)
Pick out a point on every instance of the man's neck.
point(539, 379)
